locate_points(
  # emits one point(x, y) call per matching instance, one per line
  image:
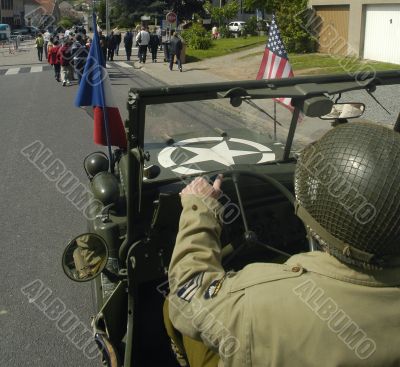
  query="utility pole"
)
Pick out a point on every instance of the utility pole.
point(108, 17)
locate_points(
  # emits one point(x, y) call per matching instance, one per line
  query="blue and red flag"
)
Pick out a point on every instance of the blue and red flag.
point(95, 90)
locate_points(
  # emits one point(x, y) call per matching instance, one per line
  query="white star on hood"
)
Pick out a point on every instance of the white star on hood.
point(219, 153)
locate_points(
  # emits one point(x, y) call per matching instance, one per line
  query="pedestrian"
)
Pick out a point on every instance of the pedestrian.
point(143, 39)
point(334, 306)
point(39, 45)
point(153, 46)
point(159, 34)
point(214, 32)
point(53, 59)
point(49, 46)
point(128, 42)
point(103, 45)
point(111, 44)
point(65, 58)
point(175, 51)
point(79, 53)
point(118, 38)
point(46, 37)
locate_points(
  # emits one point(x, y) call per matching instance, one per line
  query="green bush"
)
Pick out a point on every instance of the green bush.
point(197, 37)
point(251, 26)
point(65, 22)
point(200, 43)
point(224, 32)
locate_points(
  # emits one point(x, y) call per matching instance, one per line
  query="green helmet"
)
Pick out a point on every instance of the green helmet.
point(96, 162)
point(347, 188)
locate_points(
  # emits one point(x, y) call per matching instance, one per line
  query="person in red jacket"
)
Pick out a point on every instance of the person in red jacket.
point(65, 57)
point(53, 59)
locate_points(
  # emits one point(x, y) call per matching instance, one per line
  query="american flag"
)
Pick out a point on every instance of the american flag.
point(275, 63)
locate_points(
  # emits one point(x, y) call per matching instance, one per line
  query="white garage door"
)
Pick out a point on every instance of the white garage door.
point(382, 33)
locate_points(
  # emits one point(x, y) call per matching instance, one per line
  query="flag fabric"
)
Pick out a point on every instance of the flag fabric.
point(95, 90)
point(275, 63)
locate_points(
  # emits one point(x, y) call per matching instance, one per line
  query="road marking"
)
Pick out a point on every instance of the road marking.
point(12, 71)
point(123, 64)
point(108, 66)
point(36, 69)
point(25, 70)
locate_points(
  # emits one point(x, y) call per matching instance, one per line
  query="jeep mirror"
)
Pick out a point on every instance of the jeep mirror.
point(85, 257)
point(345, 111)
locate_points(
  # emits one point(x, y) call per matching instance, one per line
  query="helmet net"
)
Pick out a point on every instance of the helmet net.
point(349, 182)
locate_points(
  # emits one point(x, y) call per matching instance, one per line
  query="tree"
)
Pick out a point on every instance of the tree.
point(222, 14)
point(292, 19)
point(186, 8)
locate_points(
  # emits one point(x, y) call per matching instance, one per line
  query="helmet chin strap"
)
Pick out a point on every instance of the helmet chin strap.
point(340, 245)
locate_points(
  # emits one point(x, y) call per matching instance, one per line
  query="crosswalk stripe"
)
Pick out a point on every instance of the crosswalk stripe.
point(123, 64)
point(12, 71)
point(108, 66)
point(36, 69)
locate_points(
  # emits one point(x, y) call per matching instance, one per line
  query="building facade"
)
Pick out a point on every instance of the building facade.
point(12, 12)
point(368, 29)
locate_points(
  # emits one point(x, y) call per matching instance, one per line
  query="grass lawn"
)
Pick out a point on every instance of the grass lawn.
point(314, 64)
point(224, 46)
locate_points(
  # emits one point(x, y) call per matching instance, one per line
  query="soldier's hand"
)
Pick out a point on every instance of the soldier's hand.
point(200, 187)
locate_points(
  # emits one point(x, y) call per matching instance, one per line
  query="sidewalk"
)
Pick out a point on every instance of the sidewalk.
point(25, 55)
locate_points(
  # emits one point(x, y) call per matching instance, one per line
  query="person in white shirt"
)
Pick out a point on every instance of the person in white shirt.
point(46, 37)
point(143, 39)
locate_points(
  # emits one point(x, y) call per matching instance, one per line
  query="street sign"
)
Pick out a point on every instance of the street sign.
point(171, 17)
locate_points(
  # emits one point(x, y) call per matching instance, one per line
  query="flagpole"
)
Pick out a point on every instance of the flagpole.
point(106, 125)
point(105, 116)
point(274, 120)
point(103, 103)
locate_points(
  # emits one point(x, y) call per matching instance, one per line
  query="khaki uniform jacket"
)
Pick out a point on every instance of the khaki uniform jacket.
point(311, 311)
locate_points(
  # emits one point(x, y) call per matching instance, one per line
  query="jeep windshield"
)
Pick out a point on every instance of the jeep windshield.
point(217, 126)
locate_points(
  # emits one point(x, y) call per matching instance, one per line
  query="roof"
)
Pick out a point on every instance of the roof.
point(46, 5)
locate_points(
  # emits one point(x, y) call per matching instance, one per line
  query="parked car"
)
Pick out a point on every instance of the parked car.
point(236, 26)
point(26, 31)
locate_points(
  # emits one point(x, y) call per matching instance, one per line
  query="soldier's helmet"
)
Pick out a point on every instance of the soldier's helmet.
point(347, 188)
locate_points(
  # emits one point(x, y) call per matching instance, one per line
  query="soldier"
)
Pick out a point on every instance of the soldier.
point(339, 306)
point(88, 256)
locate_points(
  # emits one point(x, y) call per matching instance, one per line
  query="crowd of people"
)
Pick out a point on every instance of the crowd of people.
point(67, 53)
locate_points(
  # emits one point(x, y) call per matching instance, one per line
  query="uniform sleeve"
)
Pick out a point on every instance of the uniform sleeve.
point(199, 287)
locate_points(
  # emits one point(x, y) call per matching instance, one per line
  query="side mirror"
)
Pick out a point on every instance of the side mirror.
point(85, 257)
point(345, 111)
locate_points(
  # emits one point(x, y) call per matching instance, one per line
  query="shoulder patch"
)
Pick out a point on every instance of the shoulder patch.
point(214, 288)
point(188, 290)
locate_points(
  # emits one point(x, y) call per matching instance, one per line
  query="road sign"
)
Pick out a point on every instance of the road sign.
point(171, 17)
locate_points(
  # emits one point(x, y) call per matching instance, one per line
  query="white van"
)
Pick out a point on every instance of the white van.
point(5, 32)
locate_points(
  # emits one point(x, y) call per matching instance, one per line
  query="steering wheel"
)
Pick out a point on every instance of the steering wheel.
point(250, 236)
